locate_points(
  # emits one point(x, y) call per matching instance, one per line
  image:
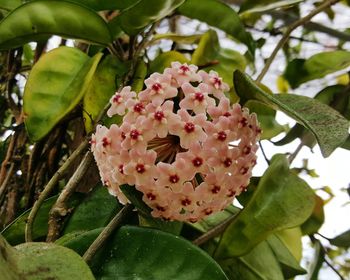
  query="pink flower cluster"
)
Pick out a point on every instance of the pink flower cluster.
point(181, 144)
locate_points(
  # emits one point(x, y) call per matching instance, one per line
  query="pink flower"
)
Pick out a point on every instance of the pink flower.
point(215, 83)
point(183, 73)
point(158, 89)
point(119, 100)
point(196, 98)
point(189, 128)
point(188, 156)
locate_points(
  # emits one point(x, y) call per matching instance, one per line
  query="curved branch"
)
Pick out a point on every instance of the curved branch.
point(289, 30)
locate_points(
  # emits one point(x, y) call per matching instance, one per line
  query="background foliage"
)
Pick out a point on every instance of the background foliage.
point(53, 93)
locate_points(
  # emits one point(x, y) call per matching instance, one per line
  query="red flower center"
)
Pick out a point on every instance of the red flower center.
point(184, 69)
point(156, 87)
point(222, 136)
point(174, 179)
point(134, 134)
point(159, 115)
point(139, 107)
point(189, 127)
point(199, 96)
point(197, 161)
point(140, 168)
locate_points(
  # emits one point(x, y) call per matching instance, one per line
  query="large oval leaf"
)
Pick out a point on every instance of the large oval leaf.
point(103, 85)
point(220, 15)
point(14, 232)
point(299, 71)
point(37, 261)
point(95, 211)
point(328, 126)
point(54, 87)
point(143, 253)
point(145, 12)
point(38, 20)
point(282, 200)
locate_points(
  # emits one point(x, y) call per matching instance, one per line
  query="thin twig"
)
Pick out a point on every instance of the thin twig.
point(334, 269)
point(263, 152)
point(49, 187)
point(5, 182)
point(108, 230)
point(60, 209)
point(289, 30)
point(296, 152)
point(215, 231)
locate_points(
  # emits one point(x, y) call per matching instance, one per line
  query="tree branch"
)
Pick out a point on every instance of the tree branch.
point(289, 30)
point(48, 189)
point(108, 230)
point(60, 209)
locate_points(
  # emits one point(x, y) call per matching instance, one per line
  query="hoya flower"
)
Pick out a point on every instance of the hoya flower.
point(181, 143)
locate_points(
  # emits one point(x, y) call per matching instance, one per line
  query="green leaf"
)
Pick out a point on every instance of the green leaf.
point(93, 212)
point(225, 61)
point(9, 5)
point(104, 5)
point(291, 238)
point(316, 220)
point(50, 261)
point(182, 39)
point(258, 7)
point(299, 71)
point(139, 76)
point(102, 86)
point(342, 240)
point(54, 87)
point(165, 59)
point(143, 253)
point(259, 264)
point(145, 12)
point(146, 219)
point(8, 266)
point(290, 266)
point(328, 126)
point(38, 20)
point(79, 241)
point(282, 200)
point(14, 232)
point(220, 15)
point(267, 119)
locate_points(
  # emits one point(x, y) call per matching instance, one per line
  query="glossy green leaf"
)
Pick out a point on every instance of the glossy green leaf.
point(103, 85)
point(257, 7)
point(146, 219)
point(336, 96)
point(145, 12)
point(290, 266)
point(291, 238)
point(93, 212)
point(224, 61)
point(38, 20)
point(36, 261)
point(9, 5)
point(143, 253)
point(103, 5)
point(267, 119)
point(259, 264)
point(8, 266)
point(316, 220)
point(215, 219)
point(299, 71)
point(183, 39)
point(342, 240)
point(220, 15)
point(139, 76)
point(328, 126)
point(282, 200)
point(165, 59)
point(54, 87)
point(79, 241)
point(14, 232)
